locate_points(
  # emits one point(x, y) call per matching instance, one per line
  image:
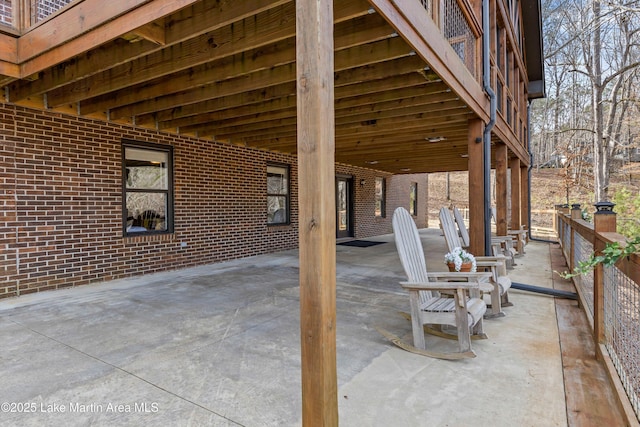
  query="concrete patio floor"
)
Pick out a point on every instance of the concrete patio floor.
point(218, 345)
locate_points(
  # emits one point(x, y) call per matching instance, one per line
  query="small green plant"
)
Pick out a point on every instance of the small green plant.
point(609, 256)
point(628, 209)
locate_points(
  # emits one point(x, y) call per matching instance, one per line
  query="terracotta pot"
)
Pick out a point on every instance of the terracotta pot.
point(466, 266)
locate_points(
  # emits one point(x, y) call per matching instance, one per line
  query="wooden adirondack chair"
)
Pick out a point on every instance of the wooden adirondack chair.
point(499, 284)
point(464, 311)
point(500, 244)
point(520, 235)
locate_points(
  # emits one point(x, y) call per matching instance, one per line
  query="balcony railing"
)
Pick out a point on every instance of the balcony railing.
point(460, 27)
point(610, 295)
point(33, 11)
point(6, 12)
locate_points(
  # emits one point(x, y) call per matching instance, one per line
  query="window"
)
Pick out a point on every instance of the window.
point(147, 188)
point(277, 194)
point(380, 198)
point(413, 199)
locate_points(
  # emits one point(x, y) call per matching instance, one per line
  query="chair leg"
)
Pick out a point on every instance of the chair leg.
point(462, 323)
point(416, 320)
point(496, 304)
point(505, 300)
point(478, 330)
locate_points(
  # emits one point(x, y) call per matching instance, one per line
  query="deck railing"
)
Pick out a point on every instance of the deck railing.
point(22, 14)
point(459, 25)
point(6, 12)
point(610, 296)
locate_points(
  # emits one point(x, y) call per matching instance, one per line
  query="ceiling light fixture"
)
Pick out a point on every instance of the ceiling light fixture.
point(435, 138)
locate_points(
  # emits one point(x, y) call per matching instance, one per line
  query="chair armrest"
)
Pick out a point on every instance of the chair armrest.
point(444, 275)
point(439, 286)
point(496, 258)
point(489, 263)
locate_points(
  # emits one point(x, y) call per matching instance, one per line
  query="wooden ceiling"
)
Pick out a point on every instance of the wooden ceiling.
point(222, 70)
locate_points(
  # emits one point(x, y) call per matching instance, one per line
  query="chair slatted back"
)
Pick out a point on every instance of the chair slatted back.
point(409, 248)
point(449, 230)
point(464, 233)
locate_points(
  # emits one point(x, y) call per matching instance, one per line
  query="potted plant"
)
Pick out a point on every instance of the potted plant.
point(460, 260)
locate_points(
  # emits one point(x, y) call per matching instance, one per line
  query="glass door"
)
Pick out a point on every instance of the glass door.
point(344, 207)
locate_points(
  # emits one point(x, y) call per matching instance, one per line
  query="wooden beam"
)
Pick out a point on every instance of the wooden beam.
point(75, 21)
point(405, 133)
point(414, 24)
point(506, 135)
point(8, 49)
point(248, 98)
point(351, 128)
point(153, 32)
point(254, 81)
point(501, 153)
point(271, 65)
point(264, 29)
point(186, 24)
point(273, 92)
point(476, 187)
point(9, 56)
point(524, 197)
point(516, 185)
point(384, 99)
point(354, 116)
point(316, 195)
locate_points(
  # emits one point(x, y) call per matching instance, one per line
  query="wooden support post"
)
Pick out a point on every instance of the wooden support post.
point(524, 197)
point(516, 220)
point(603, 222)
point(476, 187)
point(22, 15)
point(316, 199)
point(501, 153)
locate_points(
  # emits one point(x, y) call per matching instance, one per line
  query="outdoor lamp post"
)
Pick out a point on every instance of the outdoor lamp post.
point(604, 207)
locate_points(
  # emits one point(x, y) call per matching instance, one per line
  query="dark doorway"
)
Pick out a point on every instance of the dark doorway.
point(344, 206)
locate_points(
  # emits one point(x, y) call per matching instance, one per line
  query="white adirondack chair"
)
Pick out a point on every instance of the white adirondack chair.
point(499, 284)
point(500, 244)
point(520, 236)
point(464, 311)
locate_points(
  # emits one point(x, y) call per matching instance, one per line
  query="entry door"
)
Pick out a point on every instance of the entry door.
point(344, 206)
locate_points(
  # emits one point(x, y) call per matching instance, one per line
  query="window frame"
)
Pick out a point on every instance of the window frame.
point(169, 215)
point(287, 197)
point(413, 204)
point(383, 197)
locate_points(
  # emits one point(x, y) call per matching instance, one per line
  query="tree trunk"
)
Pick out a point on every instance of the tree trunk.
point(600, 165)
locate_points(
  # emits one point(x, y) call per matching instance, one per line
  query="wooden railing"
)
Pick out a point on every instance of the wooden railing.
point(22, 14)
point(461, 27)
point(611, 298)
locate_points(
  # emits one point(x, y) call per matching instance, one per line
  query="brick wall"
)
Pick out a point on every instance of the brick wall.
point(61, 219)
point(398, 195)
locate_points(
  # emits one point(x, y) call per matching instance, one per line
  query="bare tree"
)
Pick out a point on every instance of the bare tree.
point(598, 44)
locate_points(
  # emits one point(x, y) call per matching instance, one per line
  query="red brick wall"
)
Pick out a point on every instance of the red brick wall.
point(398, 195)
point(61, 219)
